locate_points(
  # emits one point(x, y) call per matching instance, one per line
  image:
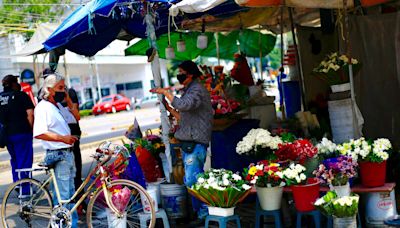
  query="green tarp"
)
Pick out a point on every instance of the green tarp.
point(251, 42)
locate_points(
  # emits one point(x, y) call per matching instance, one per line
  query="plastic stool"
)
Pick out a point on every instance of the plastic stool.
point(144, 217)
point(260, 213)
point(222, 221)
point(330, 221)
point(315, 214)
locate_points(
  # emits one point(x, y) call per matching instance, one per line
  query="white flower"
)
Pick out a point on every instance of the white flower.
point(354, 61)
point(206, 186)
point(236, 177)
point(326, 146)
point(225, 182)
point(319, 202)
point(344, 58)
point(246, 187)
point(302, 176)
point(211, 180)
point(200, 180)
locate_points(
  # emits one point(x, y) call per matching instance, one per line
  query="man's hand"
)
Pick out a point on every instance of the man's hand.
point(159, 90)
point(69, 139)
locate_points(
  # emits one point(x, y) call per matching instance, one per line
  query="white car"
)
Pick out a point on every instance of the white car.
point(148, 102)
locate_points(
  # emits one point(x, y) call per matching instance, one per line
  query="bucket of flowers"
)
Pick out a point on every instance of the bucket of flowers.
point(221, 190)
point(334, 69)
point(305, 190)
point(336, 172)
point(343, 209)
point(327, 149)
point(260, 144)
point(269, 182)
point(300, 151)
point(371, 157)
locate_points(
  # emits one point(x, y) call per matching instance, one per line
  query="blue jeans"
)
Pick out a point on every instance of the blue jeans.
point(194, 163)
point(65, 172)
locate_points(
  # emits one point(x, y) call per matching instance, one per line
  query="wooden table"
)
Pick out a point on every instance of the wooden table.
point(388, 187)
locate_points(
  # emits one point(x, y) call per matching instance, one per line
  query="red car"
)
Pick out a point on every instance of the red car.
point(112, 103)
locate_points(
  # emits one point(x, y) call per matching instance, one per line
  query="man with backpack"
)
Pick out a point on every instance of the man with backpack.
point(16, 117)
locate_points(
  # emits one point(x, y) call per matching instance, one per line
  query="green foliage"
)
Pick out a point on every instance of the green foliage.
point(86, 112)
point(22, 15)
point(275, 57)
point(342, 207)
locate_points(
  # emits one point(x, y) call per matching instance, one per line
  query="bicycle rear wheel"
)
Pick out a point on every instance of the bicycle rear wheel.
point(99, 214)
point(26, 204)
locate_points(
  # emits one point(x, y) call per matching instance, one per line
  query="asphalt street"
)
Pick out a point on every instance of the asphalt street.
point(103, 127)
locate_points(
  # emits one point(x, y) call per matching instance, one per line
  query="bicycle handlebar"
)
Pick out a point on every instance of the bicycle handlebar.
point(110, 149)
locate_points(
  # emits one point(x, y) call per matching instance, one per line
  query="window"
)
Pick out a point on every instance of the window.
point(134, 85)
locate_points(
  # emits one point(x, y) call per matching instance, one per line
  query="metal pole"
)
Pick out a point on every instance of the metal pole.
point(155, 67)
point(97, 78)
point(260, 46)
point(68, 80)
point(217, 47)
point(298, 63)
point(283, 109)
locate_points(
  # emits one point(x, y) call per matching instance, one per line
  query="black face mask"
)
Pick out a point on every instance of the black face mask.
point(181, 78)
point(59, 96)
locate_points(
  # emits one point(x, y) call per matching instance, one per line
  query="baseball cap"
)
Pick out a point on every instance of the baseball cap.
point(8, 80)
point(46, 72)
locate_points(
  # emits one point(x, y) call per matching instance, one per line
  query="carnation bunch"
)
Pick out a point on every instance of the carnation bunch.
point(332, 205)
point(220, 188)
point(300, 150)
point(265, 174)
point(223, 107)
point(363, 150)
point(294, 174)
point(337, 171)
point(259, 142)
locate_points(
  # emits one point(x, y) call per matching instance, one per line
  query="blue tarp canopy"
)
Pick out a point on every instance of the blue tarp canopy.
point(92, 27)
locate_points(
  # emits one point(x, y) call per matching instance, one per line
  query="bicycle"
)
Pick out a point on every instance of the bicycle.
point(28, 203)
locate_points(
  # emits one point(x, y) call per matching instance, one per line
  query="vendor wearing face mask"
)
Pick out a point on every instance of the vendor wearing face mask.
point(195, 116)
point(51, 127)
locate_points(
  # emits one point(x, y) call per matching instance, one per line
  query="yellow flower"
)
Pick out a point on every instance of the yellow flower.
point(274, 165)
point(252, 170)
point(270, 172)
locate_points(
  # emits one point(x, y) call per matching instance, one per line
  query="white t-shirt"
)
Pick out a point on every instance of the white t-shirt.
point(49, 119)
point(66, 113)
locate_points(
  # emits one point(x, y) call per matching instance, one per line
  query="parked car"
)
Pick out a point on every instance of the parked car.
point(147, 102)
point(87, 105)
point(112, 103)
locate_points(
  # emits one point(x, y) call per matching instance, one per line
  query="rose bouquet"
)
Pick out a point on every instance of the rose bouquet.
point(339, 207)
point(336, 171)
point(223, 107)
point(364, 150)
point(300, 150)
point(259, 142)
point(334, 68)
point(265, 174)
point(220, 188)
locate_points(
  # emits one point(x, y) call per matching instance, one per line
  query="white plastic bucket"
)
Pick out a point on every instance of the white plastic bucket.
point(348, 222)
point(342, 190)
point(146, 205)
point(156, 185)
point(380, 206)
point(174, 200)
point(340, 88)
point(270, 198)
point(341, 117)
point(114, 221)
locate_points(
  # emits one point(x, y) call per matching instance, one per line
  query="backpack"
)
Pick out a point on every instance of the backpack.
point(3, 114)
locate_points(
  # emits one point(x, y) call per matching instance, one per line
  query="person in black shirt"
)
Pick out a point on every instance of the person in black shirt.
point(16, 114)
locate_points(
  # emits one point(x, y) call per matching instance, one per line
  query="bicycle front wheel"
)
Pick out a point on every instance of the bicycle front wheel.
point(26, 204)
point(127, 196)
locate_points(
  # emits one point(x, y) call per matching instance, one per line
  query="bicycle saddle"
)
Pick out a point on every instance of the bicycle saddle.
point(47, 166)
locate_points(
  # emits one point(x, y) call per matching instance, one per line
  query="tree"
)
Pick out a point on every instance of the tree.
point(22, 15)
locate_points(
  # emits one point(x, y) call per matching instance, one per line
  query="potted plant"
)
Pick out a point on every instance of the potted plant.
point(336, 172)
point(305, 190)
point(260, 143)
point(371, 156)
point(334, 69)
point(301, 151)
point(269, 182)
point(221, 190)
point(342, 209)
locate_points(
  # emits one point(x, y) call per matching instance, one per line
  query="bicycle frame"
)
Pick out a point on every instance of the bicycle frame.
point(99, 173)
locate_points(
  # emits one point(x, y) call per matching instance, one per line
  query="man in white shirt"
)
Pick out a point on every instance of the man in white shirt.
point(52, 129)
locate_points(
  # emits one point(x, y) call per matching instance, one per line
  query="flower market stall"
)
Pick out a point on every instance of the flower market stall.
point(289, 159)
